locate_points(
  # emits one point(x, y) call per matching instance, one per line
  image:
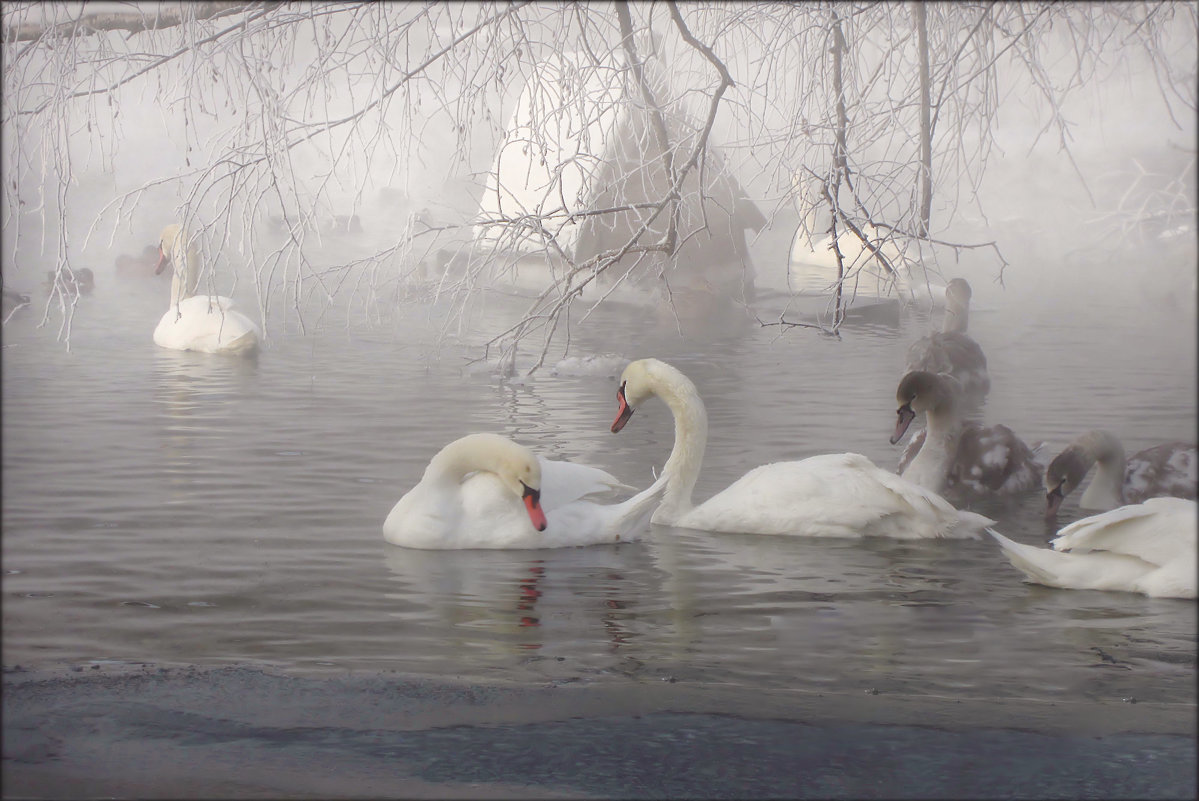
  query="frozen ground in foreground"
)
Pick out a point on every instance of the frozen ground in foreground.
point(242, 732)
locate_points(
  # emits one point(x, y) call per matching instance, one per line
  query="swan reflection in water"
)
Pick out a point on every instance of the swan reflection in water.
point(508, 602)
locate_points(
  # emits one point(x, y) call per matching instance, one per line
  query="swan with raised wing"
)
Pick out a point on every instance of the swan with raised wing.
point(1147, 548)
point(486, 491)
point(951, 350)
point(953, 453)
point(205, 323)
point(833, 495)
point(1164, 470)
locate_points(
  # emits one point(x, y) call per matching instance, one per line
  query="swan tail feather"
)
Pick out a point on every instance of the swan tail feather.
point(1035, 563)
point(634, 514)
point(1094, 570)
point(972, 524)
point(246, 343)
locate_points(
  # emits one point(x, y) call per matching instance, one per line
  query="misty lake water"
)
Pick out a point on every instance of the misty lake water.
point(175, 508)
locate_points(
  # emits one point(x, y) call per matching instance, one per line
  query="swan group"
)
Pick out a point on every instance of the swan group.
point(487, 491)
point(205, 323)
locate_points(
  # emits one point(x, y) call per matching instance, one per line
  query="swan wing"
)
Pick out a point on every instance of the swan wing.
point(834, 495)
point(1167, 469)
point(954, 353)
point(994, 459)
point(564, 482)
point(587, 523)
point(1156, 531)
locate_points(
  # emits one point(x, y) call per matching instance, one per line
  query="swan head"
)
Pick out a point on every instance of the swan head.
point(166, 244)
point(514, 464)
point(958, 290)
point(636, 386)
point(1062, 476)
point(922, 391)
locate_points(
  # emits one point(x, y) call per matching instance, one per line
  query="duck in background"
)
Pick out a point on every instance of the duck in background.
point(952, 453)
point(76, 282)
point(951, 350)
point(1164, 470)
point(204, 323)
point(1148, 548)
point(832, 495)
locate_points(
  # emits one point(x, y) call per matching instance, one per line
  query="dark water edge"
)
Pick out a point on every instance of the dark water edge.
point(244, 732)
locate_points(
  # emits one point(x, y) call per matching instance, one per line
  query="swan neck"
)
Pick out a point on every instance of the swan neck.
point(1106, 490)
point(930, 467)
point(687, 455)
point(957, 317)
point(187, 269)
point(453, 463)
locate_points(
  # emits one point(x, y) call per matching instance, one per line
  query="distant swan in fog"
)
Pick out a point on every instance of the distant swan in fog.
point(834, 495)
point(951, 452)
point(1164, 470)
point(952, 350)
point(486, 491)
point(1147, 548)
point(812, 266)
point(206, 323)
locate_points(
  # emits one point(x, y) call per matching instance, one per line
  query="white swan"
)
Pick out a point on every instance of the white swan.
point(1163, 470)
point(952, 350)
point(875, 269)
point(1147, 548)
point(486, 491)
point(206, 323)
point(812, 268)
point(951, 452)
point(834, 495)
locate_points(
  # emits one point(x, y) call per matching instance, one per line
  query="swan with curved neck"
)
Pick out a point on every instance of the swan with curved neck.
point(1163, 470)
point(833, 495)
point(205, 323)
point(486, 491)
point(951, 452)
point(1148, 548)
point(952, 350)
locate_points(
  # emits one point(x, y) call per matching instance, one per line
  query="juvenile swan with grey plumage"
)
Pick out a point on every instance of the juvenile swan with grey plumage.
point(952, 453)
point(951, 350)
point(1164, 470)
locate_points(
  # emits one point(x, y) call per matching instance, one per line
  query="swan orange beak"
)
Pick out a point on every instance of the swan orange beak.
point(1053, 501)
point(906, 416)
point(532, 499)
point(623, 412)
point(162, 262)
